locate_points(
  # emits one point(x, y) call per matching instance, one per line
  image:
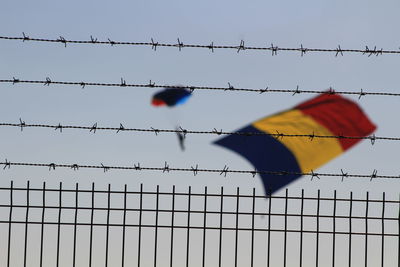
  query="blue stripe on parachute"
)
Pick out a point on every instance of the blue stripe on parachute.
point(265, 153)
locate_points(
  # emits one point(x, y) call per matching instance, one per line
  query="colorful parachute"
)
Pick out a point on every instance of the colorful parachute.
point(326, 114)
point(171, 97)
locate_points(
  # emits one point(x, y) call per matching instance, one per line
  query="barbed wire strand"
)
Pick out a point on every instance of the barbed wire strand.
point(195, 170)
point(184, 132)
point(274, 49)
point(230, 88)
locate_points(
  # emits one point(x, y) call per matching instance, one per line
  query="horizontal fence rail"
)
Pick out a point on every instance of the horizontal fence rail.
point(274, 49)
point(77, 226)
point(229, 88)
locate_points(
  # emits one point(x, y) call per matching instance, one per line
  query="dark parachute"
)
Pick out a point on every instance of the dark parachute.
point(171, 97)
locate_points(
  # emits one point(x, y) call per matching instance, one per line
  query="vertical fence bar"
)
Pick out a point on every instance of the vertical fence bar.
point(140, 222)
point(188, 228)
point(366, 230)
point(335, 233)
point(204, 226)
point(301, 227)
point(350, 225)
point(26, 223)
point(59, 223)
point(220, 227)
point(317, 235)
point(10, 224)
point(237, 226)
point(398, 231)
point(42, 225)
point(253, 207)
point(269, 228)
point(383, 230)
point(123, 229)
point(285, 232)
point(108, 224)
point(156, 227)
point(172, 225)
point(76, 221)
point(334, 229)
point(91, 229)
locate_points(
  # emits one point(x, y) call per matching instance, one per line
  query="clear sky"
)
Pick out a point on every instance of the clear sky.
point(289, 23)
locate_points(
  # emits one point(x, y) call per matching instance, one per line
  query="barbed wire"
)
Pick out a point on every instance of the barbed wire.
point(274, 49)
point(195, 170)
point(311, 136)
point(230, 87)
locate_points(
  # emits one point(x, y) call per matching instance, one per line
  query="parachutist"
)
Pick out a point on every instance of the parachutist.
point(181, 139)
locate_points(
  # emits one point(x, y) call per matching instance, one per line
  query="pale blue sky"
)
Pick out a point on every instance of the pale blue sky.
point(323, 24)
point(289, 23)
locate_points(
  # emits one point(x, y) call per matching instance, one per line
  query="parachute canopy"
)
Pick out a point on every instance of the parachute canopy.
point(326, 114)
point(171, 97)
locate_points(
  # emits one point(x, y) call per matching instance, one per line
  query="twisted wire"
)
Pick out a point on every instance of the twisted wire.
point(180, 45)
point(180, 130)
point(151, 84)
point(195, 170)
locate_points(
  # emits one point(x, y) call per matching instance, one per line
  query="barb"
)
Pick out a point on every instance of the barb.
point(156, 131)
point(339, 50)
point(62, 40)
point(312, 174)
point(343, 174)
point(211, 47)
point(297, 91)
point(180, 45)
point(154, 45)
point(15, 80)
point(167, 168)
point(21, 124)
point(121, 128)
point(25, 37)
point(47, 82)
point(230, 88)
point(52, 166)
point(361, 93)
point(93, 40)
point(224, 171)
point(312, 136)
point(105, 168)
point(184, 132)
point(123, 82)
point(274, 49)
point(137, 167)
point(112, 43)
point(59, 127)
point(374, 175)
point(93, 128)
point(303, 50)
point(264, 90)
point(278, 135)
point(195, 170)
point(6, 164)
point(75, 167)
point(241, 46)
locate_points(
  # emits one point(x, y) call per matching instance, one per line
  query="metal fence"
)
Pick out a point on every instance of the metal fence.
point(91, 227)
